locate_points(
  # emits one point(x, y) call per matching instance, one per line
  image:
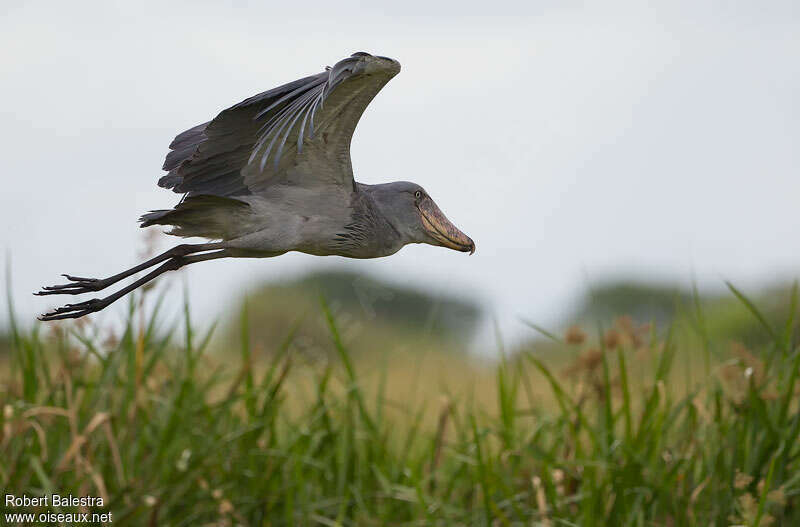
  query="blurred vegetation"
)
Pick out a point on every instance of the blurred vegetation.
point(725, 316)
point(637, 425)
point(372, 314)
point(642, 301)
point(5, 343)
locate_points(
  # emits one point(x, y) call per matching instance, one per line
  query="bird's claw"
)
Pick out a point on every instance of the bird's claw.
point(80, 278)
point(78, 286)
point(75, 310)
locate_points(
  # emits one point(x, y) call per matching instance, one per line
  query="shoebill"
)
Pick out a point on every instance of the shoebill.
point(272, 174)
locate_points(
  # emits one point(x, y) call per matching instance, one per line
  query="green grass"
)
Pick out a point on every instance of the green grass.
point(170, 434)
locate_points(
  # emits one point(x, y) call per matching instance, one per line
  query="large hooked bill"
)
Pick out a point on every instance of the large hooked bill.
point(442, 230)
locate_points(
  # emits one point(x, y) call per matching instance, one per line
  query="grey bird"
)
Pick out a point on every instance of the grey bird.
point(273, 174)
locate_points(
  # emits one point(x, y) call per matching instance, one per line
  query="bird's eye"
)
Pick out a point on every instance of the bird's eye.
point(417, 194)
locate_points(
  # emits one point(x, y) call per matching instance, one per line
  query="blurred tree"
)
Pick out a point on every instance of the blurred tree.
point(724, 316)
point(370, 313)
point(644, 302)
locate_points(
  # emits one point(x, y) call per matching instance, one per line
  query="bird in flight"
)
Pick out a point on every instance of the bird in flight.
point(273, 174)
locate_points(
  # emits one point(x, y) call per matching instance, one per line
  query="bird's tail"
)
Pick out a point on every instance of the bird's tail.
point(212, 217)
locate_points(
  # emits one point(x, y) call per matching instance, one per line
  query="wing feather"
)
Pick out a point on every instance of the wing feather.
point(230, 155)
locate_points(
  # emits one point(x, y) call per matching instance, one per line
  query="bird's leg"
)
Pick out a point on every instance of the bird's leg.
point(96, 304)
point(79, 285)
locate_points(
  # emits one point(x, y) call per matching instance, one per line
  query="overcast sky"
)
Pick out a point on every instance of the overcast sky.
point(571, 142)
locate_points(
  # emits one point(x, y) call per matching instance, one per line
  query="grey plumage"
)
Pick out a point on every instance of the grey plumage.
point(273, 174)
point(207, 216)
point(215, 157)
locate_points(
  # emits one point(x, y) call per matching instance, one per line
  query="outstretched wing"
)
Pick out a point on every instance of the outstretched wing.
point(298, 133)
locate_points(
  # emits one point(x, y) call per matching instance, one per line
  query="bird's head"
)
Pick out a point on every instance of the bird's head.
point(414, 214)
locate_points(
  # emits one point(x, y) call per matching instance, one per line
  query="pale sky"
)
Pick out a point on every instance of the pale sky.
point(572, 141)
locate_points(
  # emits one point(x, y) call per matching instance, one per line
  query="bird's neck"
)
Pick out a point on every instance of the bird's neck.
point(373, 222)
point(368, 233)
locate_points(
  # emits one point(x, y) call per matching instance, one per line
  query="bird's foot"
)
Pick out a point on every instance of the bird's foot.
point(77, 286)
point(75, 310)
